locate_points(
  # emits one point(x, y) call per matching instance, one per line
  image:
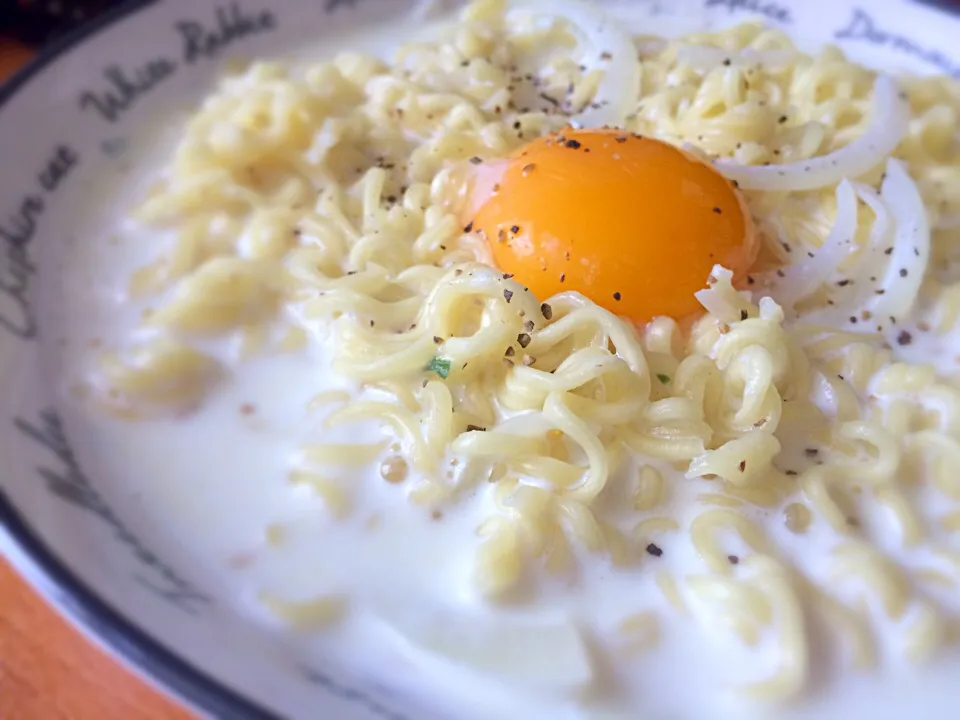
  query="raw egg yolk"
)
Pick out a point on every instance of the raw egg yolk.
point(634, 224)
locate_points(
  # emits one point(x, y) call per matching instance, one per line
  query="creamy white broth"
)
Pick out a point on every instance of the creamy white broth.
point(217, 481)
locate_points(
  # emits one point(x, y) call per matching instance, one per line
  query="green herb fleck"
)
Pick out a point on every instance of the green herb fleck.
point(663, 378)
point(440, 366)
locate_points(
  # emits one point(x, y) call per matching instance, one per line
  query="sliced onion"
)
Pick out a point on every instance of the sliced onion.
point(900, 229)
point(705, 57)
point(911, 244)
point(619, 91)
point(888, 126)
point(873, 258)
point(720, 298)
point(795, 282)
point(551, 655)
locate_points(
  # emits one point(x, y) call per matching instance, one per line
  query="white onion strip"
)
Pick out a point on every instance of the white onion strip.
point(705, 57)
point(873, 258)
point(898, 252)
point(619, 92)
point(795, 282)
point(911, 244)
point(887, 128)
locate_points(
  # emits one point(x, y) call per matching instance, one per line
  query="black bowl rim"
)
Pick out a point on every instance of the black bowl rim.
point(76, 599)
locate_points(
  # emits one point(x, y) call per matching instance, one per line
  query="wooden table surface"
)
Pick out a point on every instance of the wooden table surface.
point(47, 670)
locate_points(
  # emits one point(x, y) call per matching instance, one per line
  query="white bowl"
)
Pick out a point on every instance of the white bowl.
point(66, 123)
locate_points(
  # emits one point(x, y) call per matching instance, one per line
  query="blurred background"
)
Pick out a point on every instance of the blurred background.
point(34, 22)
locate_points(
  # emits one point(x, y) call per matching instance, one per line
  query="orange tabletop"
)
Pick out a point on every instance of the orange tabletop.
point(47, 670)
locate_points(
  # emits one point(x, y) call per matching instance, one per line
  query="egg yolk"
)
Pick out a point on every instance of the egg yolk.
point(634, 224)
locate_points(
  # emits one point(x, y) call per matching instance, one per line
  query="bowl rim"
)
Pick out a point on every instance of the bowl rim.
point(75, 599)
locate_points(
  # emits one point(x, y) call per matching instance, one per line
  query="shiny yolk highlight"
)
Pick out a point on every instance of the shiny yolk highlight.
point(634, 224)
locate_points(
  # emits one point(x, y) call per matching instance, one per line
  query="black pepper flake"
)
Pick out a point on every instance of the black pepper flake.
point(523, 340)
point(811, 452)
point(888, 251)
point(507, 276)
point(515, 229)
point(742, 465)
point(617, 296)
point(510, 352)
point(904, 338)
point(563, 276)
point(606, 56)
point(780, 273)
point(718, 211)
point(843, 283)
point(750, 280)
point(903, 272)
point(437, 339)
point(744, 314)
point(507, 295)
point(791, 473)
point(475, 160)
point(620, 139)
point(572, 144)
point(475, 428)
point(782, 119)
point(547, 311)
point(653, 549)
point(516, 125)
point(733, 559)
point(468, 227)
point(786, 246)
point(727, 62)
point(552, 101)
